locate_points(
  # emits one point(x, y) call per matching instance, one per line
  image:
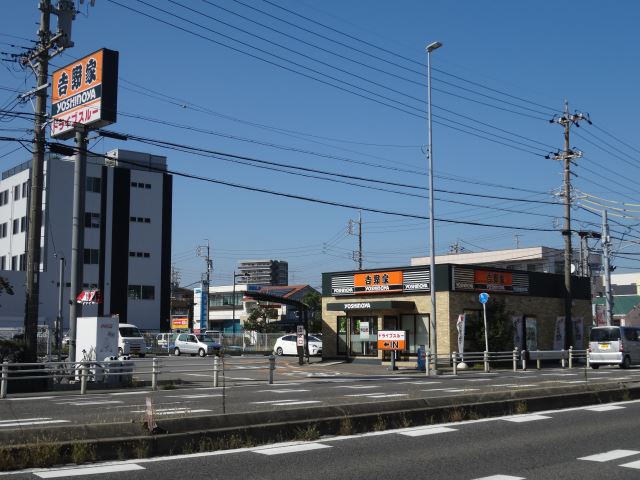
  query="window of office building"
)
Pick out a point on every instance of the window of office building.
point(141, 292)
point(14, 262)
point(23, 262)
point(94, 184)
point(3, 262)
point(23, 224)
point(16, 192)
point(16, 226)
point(25, 189)
point(3, 230)
point(4, 197)
point(91, 256)
point(91, 220)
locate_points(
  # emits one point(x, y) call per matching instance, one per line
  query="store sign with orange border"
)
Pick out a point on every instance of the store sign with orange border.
point(179, 322)
point(493, 281)
point(392, 340)
point(377, 282)
point(85, 93)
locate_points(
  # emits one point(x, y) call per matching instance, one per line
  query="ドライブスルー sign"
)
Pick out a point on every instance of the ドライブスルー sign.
point(85, 93)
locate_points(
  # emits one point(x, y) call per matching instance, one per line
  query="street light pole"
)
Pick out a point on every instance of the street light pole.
point(433, 345)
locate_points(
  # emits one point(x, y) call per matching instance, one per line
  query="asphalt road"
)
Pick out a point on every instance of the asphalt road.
point(600, 442)
point(246, 390)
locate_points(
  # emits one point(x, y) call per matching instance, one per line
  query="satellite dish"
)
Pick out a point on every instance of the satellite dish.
point(573, 268)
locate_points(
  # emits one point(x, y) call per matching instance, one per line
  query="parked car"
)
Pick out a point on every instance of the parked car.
point(614, 346)
point(131, 341)
point(288, 345)
point(193, 344)
point(165, 341)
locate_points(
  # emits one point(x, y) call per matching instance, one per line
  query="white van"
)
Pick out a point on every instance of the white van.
point(130, 340)
point(614, 346)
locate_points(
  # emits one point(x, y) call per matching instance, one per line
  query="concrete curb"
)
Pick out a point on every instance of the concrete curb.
point(215, 432)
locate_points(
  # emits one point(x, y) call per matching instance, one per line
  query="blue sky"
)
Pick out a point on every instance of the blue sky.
point(505, 69)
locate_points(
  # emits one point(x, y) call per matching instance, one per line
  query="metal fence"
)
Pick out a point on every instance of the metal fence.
point(250, 342)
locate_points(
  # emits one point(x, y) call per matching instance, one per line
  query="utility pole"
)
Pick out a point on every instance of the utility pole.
point(357, 256)
point(567, 120)
point(77, 236)
point(606, 254)
point(39, 62)
point(203, 251)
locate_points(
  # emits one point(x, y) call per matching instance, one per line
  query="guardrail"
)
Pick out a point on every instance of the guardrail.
point(121, 371)
point(515, 357)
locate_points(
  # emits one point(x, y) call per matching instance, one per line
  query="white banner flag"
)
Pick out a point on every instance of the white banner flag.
point(558, 337)
point(460, 325)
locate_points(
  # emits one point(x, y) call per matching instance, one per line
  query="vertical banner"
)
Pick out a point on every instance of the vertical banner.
point(531, 328)
point(460, 325)
point(517, 322)
point(558, 337)
point(578, 332)
point(364, 330)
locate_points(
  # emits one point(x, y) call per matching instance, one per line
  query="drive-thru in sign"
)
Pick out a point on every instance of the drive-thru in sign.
point(392, 340)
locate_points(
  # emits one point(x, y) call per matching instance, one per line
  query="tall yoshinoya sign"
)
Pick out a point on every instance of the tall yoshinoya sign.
point(85, 92)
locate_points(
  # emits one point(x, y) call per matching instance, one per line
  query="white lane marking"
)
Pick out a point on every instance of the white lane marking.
point(141, 392)
point(291, 449)
point(33, 419)
point(364, 394)
point(173, 411)
point(76, 472)
point(525, 418)
point(29, 398)
point(386, 395)
point(199, 375)
point(95, 402)
point(635, 465)
point(24, 423)
point(356, 387)
point(195, 395)
point(500, 477)
point(610, 455)
point(422, 382)
point(239, 378)
point(418, 432)
point(272, 401)
point(478, 379)
point(456, 390)
point(604, 408)
point(297, 402)
point(284, 390)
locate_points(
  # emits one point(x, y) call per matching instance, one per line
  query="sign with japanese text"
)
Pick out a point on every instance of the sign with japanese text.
point(392, 340)
point(476, 279)
point(380, 282)
point(179, 323)
point(85, 93)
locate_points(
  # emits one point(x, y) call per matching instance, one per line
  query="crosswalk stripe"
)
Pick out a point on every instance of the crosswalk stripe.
point(418, 432)
point(611, 455)
point(635, 465)
point(525, 418)
point(604, 408)
point(291, 449)
point(500, 477)
point(77, 472)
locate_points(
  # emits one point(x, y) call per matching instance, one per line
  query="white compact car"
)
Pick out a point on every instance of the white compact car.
point(287, 345)
point(193, 344)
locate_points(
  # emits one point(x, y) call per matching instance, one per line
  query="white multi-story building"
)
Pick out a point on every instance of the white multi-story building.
point(127, 237)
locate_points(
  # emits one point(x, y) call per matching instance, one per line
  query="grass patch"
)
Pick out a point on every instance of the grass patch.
point(380, 424)
point(308, 433)
point(345, 427)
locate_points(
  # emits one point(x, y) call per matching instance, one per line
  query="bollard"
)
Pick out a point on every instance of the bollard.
point(272, 367)
point(5, 378)
point(562, 364)
point(538, 359)
point(455, 362)
point(524, 359)
point(83, 379)
point(154, 374)
point(571, 357)
point(215, 371)
point(515, 359)
point(486, 362)
point(427, 362)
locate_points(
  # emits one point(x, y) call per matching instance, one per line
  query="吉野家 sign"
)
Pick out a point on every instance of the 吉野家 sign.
point(392, 340)
point(85, 93)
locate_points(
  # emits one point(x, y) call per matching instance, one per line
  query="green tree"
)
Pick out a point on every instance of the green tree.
point(258, 319)
point(499, 327)
point(313, 301)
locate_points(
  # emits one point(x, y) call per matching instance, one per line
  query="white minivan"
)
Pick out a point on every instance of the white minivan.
point(131, 341)
point(614, 346)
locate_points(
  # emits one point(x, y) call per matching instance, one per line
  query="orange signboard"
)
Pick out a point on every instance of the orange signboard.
point(179, 323)
point(84, 93)
point(392, 340)
point(493, 281)
point(378, 282)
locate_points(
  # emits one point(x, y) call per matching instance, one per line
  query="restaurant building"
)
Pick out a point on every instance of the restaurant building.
point(356, 305)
